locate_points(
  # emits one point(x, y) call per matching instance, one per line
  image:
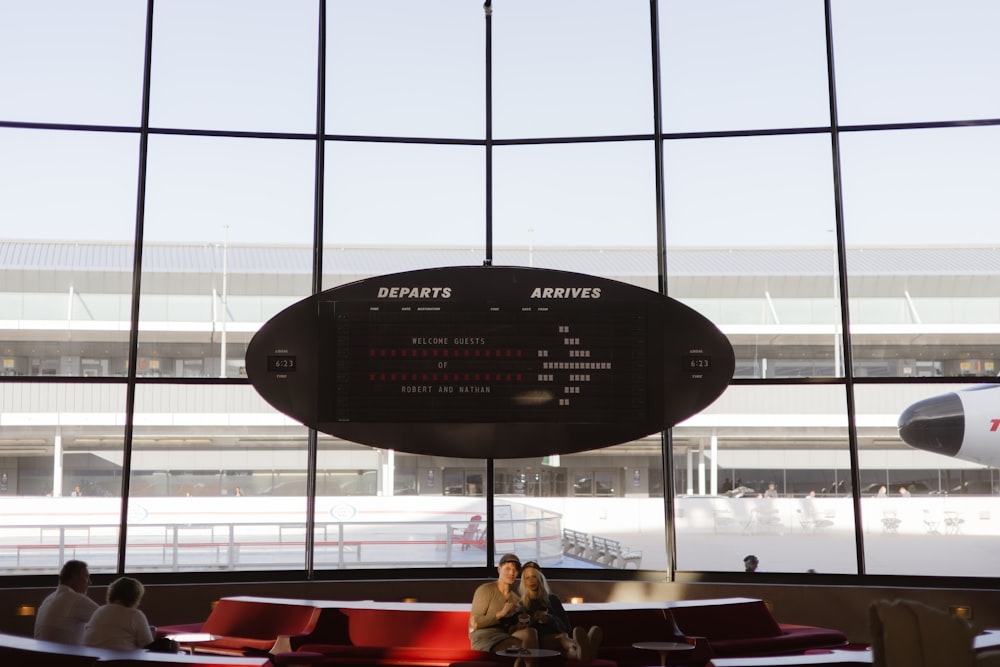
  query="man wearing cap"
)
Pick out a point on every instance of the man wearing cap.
point(493, 625)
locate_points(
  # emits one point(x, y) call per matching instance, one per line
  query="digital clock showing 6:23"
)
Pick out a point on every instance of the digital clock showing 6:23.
point(697, 363)
point(281, 363)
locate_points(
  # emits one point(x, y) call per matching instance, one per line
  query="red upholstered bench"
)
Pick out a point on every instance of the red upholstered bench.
point(248, 627)
point(417, 635)
point(436, 635)
point(745, 627)
point(403, 634)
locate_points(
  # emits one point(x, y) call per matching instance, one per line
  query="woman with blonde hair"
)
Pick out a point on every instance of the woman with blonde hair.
point(119, 624)
point(550, 620)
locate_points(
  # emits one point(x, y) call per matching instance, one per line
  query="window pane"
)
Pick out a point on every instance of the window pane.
point(61, 473)
point(751, 247)
point(221, 214)
point(574, 195)
point(565, 68)
point(384, 509)
point(225, 64)
point(906, 61)
point(732, 65)
point(950, 504)
point(68, 206)
point(590, 510)
point(406, 69)
point(205, 488)
point(63, 61)
point(724, 461)
point(925, 296)
point(405, 194)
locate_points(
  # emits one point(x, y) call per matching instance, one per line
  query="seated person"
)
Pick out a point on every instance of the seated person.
point(62, 614)
point(119, 624)
point(493, 625)
point(550, 619)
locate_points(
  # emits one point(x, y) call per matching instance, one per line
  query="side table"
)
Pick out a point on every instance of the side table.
point(663, 648)
point(517, 652)
point(189, 639)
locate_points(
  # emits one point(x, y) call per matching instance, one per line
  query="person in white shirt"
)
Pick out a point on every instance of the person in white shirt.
point(62, 615)
point(119, 624)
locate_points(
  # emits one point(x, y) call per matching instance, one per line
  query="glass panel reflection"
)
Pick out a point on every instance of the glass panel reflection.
point(386, 509)
point(571, 68)
point(392, 194)
point(901, 61)
point(223, 213)
point(580, 195)
point(72, 62)
point(743, 66)
point(929, 503)
point(405, 69)
point(60, 475)
point(922, 251)
point(210, 482)
point(239, 65)
point(765, 471)
point(589, 510)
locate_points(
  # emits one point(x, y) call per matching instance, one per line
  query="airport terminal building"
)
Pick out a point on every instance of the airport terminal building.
point(200, 431)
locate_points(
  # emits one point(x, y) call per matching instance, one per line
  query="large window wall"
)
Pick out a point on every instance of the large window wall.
point(817, 178)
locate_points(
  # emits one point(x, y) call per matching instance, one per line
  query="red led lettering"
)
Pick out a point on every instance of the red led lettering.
point(994, 424)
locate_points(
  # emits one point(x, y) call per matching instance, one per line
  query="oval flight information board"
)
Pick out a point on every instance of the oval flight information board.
point(489, 362)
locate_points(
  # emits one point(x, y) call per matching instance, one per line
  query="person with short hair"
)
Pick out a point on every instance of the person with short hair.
point(63, 614)
point(119, 624)
point(494, 624)
point(750, 563)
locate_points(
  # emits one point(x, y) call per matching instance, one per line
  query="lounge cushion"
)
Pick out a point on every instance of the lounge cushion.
point(735, 620)
point(248, 627)
point(440, 629)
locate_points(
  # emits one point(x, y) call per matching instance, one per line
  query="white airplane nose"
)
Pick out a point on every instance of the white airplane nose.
point(934, 424)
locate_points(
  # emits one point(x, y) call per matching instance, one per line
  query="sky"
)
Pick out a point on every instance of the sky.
point(560, 69)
